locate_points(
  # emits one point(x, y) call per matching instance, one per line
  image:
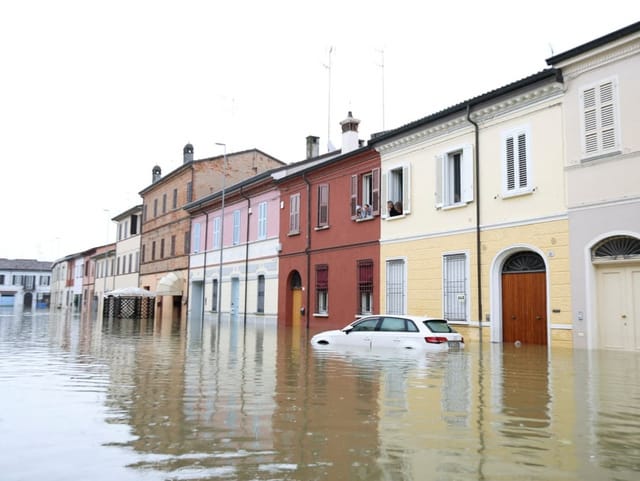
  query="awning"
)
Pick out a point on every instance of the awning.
point(169, 285)
point(130, 292)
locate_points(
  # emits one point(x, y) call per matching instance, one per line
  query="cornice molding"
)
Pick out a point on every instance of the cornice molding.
point(571, 71)
point(480, 115)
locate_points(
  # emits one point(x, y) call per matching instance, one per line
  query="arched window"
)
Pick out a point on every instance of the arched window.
point(616, 248)
point(524, 261)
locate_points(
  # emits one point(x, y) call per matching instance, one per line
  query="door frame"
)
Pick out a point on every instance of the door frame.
point(591, 283)
point(495, 311)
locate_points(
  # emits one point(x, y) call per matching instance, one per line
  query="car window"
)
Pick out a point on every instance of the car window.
point(411, 327)
point(366, 325)
point(394, 324)
point(438, 325)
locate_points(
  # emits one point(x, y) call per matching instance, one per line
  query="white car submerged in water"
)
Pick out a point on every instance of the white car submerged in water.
point(390, 330)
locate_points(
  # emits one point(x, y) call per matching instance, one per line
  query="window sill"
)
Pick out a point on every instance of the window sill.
point(458, 323)
point(395, 217)
point(320, 314)
point(322, 227)
point(294, 233)
point(363, 219)
point(459, 205)
point(519, 193)
point(600, 156)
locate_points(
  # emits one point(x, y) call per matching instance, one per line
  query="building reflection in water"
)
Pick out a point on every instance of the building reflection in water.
point(224, 400)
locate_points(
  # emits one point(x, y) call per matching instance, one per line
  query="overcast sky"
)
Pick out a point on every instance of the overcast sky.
point(94, 93)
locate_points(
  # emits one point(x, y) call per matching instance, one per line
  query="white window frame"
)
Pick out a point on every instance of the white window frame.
point(262, 220)
point(322, 295)
point(236, 227)
point(447, 292)
point(389, 187)
point(396, 300)
point(600, 122)
point(366, 195)
point(445, 177)
point(517, 163)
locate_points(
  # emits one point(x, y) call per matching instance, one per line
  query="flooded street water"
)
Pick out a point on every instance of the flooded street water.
point(126, 400)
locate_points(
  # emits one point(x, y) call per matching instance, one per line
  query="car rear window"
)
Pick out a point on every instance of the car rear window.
point(438, 325)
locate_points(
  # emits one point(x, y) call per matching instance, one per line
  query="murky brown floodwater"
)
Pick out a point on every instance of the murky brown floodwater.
point(80, 400)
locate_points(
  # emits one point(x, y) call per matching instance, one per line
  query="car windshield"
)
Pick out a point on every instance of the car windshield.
point(438, 325)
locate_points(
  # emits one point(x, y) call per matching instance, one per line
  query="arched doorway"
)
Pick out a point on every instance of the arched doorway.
point(524, 299)
point(295, 295)
point(617, 263)
point(27, 301)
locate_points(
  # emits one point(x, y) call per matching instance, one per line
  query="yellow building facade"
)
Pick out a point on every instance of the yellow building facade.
point(482, 192)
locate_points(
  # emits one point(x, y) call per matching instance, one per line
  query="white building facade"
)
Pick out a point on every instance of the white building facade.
point(25, 284)
point(602, 164)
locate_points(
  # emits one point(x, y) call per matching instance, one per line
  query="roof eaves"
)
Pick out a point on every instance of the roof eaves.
point(462, 106)
point(598, 42)
point(256, 179)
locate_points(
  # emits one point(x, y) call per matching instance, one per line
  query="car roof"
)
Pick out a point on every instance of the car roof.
point(412, 317)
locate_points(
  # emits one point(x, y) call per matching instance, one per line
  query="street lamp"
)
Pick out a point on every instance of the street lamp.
point(224, 175)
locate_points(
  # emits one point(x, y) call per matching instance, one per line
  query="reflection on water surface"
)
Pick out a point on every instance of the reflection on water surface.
point(130, 400)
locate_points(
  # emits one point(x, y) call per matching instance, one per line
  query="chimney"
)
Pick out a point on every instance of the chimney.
point(187, 153)
point(156, 173)
point(313, 146)
point(349, 133)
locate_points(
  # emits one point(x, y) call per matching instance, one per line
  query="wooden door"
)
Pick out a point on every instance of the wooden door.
point(524, 307)
point(296, 304)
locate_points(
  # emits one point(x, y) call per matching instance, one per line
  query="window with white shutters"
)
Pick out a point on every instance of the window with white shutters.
point(396, 184)
point(600, 131)
point(516, 162)
point(454, 177)
point(196, 238)
point(216, 232)
point(262, 220)
point(236, 227)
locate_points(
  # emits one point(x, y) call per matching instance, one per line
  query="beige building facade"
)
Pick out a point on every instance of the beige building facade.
point(483, 218)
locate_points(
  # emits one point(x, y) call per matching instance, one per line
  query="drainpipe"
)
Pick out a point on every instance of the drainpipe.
point(246, 256)
point(204, 265)
point(188, 290)
point(307, 249)
point(478, 246)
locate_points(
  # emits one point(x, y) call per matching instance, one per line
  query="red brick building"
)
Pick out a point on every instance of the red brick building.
point(329, 262)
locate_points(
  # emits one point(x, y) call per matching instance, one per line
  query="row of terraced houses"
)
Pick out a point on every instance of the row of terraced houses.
point(519, 219)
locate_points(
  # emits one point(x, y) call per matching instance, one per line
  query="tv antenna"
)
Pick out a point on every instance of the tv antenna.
point(381, 65)
point(328, 67)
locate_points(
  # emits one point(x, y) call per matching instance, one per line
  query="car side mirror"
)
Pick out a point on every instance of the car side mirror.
point(347, 329)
